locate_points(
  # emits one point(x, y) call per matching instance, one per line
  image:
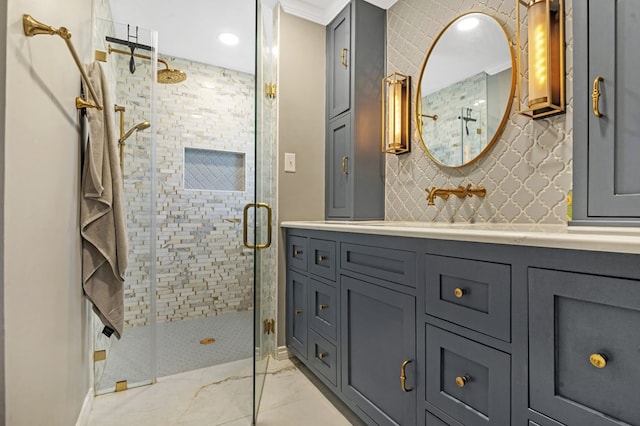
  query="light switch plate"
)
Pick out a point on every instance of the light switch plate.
point(289, 162)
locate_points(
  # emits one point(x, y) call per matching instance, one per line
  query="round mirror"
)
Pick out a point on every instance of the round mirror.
point(465, 90)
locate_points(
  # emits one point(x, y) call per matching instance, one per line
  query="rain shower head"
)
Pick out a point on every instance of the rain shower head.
point(140, 126)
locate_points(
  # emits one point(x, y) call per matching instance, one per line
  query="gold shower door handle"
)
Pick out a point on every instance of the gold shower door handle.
point(345, 159)
point(343, 57)
point(403, 376)
point(595, 96)
point(245, 225)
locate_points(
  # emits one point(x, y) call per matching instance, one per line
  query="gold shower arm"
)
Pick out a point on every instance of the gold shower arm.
point(137, 55)
point(33, 27)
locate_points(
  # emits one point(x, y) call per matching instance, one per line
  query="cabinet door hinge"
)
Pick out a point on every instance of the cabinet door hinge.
point(269, 326)
point(270, 90)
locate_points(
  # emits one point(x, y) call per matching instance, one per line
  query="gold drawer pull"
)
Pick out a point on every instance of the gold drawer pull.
point(323, 355)
point(297, 252)
point(298, 311)
point(461, 381)
point(322, 259)
point(598, 360)
point(459, 292)
point(343, 57)
point(323, 307)
point(403, 376)
point(595, 96)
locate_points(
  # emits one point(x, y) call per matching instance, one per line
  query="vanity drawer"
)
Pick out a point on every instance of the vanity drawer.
point(323, 309)
point(584, 347)
point(472, 293)
point(397, 266)
point(323, 258)
point(468, 381)
point(323, 357)
point(297, 252)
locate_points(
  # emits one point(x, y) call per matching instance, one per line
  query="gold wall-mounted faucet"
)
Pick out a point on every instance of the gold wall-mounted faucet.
point(460, 192)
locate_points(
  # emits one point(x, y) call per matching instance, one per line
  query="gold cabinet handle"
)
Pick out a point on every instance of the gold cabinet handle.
point(461, 381)
point(323, 307)
point(298, 311)
point(343, 57)
point(598, 360)
point(344, 165)
point(459, 292)
point(322, 355)
point(595, 96)
point(403, 376)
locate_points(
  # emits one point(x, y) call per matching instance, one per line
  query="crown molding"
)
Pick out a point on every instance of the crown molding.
point(324, 15)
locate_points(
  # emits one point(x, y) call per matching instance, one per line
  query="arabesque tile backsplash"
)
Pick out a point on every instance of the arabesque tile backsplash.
point(528, 171)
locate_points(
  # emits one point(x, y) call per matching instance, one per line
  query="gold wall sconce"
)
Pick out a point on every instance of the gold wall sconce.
point(544, 55)
point(395, 114)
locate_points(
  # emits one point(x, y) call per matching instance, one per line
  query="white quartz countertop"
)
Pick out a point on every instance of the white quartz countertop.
point(618, 240)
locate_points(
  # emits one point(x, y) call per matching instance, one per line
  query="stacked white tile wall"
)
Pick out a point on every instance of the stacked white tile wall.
point(528, 171)
point(202, 267)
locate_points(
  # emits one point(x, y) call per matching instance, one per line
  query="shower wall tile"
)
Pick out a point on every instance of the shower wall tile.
point(528, 171)
point(203, 269)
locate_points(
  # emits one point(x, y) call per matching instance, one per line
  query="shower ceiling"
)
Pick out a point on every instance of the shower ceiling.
point(189, 29)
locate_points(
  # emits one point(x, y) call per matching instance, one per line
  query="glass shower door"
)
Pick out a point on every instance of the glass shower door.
point(265, 275)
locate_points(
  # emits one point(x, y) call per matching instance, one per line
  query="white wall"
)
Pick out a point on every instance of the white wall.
point(301, 129)
point(45, 314)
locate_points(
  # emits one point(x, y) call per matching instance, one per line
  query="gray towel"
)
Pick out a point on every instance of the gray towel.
point(102, 217)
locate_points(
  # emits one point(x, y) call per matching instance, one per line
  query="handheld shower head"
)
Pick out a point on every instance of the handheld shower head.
point(140, 126)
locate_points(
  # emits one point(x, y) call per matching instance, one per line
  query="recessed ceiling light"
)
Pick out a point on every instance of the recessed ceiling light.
point(229, 39)
point(468, 24)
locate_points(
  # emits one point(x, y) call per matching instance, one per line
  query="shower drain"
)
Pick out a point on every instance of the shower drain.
point(207, 341)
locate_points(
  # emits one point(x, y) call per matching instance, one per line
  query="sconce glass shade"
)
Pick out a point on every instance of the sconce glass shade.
point(395, 114)
point(542, 50)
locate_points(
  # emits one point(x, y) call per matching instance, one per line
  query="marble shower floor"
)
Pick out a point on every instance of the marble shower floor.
point(221, 395)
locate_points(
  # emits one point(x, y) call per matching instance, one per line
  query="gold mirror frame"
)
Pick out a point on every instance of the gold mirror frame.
point(505, 117)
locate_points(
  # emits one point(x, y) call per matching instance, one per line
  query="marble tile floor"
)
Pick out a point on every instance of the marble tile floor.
point(221, 395)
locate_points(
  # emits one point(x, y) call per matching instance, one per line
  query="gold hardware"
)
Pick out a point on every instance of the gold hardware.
point(323, 355)
point(297, 252)
point(403, 376)
point(81, 103)
point(177, 75)
point(598, 360)
point(460, 192)
point(344, 165)
point(396, 108)
point(270, 90)
point(32, 27)
point(595, 96)
point(269, 326)
point(125, 135)
point(461, 381)
point(298, 311)
point(323, 307)
point(207, 341)
point(121, 386)
point(343, 57)
point(459, 292)
point(100, 55)
point(434, 117)
point(245, 230)
point(99, 355)
point(322, 258)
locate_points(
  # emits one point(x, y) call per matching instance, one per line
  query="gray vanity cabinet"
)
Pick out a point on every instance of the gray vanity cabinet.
point(606, 149)
point(354, 176)
point(297, 312)
point(378, 338)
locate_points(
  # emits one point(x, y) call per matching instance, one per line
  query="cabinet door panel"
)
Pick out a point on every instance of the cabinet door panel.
point(614, 148)
point(339, 63)
point(297, 311)
point(339, 168)
point(378, 335)
point(572, 317)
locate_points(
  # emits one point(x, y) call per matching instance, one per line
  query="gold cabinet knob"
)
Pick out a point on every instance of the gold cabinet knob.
point(322, 355)
point(297, 252)
point(323, 307)
point(322, 258)
point(298, 311)
point(598, 360)
point(461, 381)
point(459, 292)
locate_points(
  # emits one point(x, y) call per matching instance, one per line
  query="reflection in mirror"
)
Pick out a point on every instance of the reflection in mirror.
point(465, 90)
